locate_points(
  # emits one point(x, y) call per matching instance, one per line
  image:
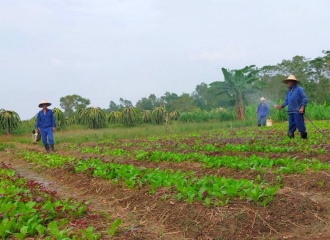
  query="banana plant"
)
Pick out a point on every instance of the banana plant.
point(114, 117)
point(9, 120)
point(130, 116)
point(94, 117)
point(146, 116)
point(159, 114)
point(59, 117)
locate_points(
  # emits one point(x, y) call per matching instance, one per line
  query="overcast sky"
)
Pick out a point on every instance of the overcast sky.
point(104, 50)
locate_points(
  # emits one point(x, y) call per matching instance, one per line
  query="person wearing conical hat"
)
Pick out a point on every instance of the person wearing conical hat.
point(262, 112)
point(296, 100)
point(46, 123)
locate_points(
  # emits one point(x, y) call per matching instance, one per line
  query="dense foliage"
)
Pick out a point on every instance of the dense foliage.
point(9, 120)
point(237, 96)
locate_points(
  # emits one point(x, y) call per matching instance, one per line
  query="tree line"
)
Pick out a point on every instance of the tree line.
point(239, 89)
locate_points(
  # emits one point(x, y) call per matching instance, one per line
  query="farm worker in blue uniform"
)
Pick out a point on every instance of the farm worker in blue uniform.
point(262, 112)
point(296, 100)
point(47, 125)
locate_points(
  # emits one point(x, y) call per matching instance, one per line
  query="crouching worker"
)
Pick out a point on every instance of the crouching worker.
point(296, 100)
point(47, 125)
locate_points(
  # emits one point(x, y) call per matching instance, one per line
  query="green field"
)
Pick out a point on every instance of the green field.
point(182, 181)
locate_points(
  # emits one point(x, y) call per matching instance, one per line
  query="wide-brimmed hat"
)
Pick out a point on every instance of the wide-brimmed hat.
point(262, 99)
point(290, 78)
point(44, 102)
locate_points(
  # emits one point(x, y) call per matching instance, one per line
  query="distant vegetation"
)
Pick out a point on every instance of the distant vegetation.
point(234, 98)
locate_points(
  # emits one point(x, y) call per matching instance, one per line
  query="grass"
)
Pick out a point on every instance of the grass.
point(79, 134)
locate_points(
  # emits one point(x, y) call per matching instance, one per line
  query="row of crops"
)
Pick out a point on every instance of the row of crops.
point(185, 185)
point(141, 163)
point(208, 150)
point(28, 209)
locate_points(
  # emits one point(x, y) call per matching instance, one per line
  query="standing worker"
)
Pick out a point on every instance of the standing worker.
point(47, 125)
point(262, 112)
point(296, 100)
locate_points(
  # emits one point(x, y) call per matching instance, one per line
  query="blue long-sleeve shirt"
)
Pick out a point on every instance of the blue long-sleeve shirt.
point(294, 99)
point(262, 109)
point(45, 120)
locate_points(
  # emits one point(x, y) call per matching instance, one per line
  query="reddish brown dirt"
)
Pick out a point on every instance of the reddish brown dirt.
point(301, 209)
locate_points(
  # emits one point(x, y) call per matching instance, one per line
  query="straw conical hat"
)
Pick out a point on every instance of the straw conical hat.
point(44, 102)
point(290, 78)
point(262, 99)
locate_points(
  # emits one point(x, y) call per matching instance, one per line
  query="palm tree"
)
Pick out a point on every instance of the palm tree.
point(79, 115)
point(71, 120)
point(237, 85)
point(159, 114)
point(130, 116)
point(146, 116)
point(59, 117)
point(174, 115)
point(94, 117)
point(9, 120)
point(114, 117)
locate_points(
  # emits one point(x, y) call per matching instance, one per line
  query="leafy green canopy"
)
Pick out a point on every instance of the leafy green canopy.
point(237, 85)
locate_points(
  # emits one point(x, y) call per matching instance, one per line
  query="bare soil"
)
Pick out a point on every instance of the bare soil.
point(300, 210)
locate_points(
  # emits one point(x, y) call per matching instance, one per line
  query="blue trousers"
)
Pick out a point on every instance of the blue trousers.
point(296, 120)
point(47, 136)
point(261, 120)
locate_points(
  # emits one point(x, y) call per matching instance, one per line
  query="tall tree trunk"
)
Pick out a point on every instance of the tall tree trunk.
point(239, 107)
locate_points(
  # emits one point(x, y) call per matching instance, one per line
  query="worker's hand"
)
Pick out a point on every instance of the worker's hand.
point(54, 129)
point(301, 110)
point(279, 107)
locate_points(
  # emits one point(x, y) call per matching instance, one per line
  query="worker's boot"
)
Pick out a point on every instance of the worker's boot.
point(47, 148)
point(290, 134)
point(52, 147)
point(303, 135)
